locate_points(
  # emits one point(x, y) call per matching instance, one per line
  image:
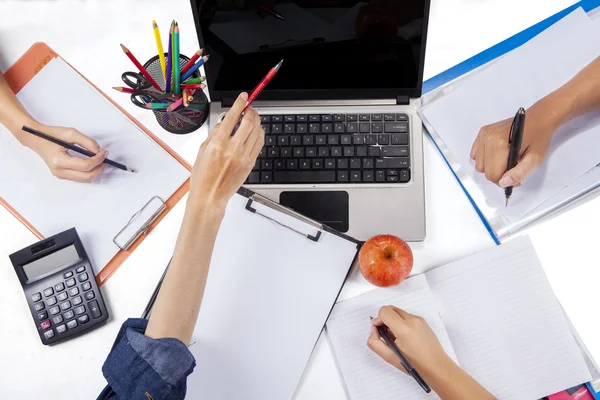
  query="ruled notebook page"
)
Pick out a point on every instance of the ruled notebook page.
point(506, 326)
point(366, 376)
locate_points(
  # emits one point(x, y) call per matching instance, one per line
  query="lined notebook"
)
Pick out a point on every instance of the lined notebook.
point(494, 313)
point(58, 95)
point(455, 113)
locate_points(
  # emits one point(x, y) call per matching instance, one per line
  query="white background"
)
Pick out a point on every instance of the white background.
point(87, 34)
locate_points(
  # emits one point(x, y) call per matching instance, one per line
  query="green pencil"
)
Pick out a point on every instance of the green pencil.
point(176, 65)
point(195, 80)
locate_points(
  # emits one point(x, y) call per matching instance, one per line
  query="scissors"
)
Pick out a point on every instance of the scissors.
point(143, 95)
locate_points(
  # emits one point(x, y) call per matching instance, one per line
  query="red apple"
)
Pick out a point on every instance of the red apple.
point(385, 260)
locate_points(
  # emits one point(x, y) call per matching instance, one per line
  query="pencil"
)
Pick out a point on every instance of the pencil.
point(195, 67)
point(176, 64)
point(194, 80)
point(185, 97)
point(74, 148)
point(140, 67)
point(175, 105)
point(161, 52)
point(191, 61)
point(123, 89)
point(405, 363)
point(169, 61)
point(193, 85)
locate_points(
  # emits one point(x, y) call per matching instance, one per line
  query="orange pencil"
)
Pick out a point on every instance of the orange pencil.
point(192, 61)
point(140, 67)
point(185, 98)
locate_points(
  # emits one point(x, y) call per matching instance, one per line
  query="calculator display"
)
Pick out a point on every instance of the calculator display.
point(51, 262)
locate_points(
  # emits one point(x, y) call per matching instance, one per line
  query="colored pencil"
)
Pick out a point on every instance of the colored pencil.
point(161, 52)
point(195, 67)
point(191, 61)
point(140, 67)
point(172, 57)
point(173, 106)
point(185, 97)
point(193, 85)
point(74, 148)
point(169, 61)
point(194, 80)
point(176, 64)
point(123, 89)
point(163, 106)
point(262, 84)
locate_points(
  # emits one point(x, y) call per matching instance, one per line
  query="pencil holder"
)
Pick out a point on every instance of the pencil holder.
point(185, 119)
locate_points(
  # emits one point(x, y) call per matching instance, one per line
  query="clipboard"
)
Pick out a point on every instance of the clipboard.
point(142, 222)
point(303, 275)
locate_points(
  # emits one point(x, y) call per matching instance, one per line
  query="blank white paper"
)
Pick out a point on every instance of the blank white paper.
point(58, 95)
point(522, 77)
point(267, 298)
point(365, 374)
point(506, 325)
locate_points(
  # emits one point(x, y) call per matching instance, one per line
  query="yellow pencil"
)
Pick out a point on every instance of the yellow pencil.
point(161, 53)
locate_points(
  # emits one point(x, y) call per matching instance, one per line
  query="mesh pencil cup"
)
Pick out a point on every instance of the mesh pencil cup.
point(184, 120)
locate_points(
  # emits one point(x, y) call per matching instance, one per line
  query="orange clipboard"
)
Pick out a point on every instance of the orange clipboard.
point(17, 76)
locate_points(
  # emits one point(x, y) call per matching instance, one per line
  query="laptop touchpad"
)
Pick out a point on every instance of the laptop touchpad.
point(329, 208)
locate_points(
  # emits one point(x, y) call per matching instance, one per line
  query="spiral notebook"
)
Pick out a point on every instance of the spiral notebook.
point(494, 313)
point(454, 113)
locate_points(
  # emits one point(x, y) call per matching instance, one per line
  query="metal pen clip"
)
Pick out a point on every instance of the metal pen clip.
point(284, 210)
point(126, 236)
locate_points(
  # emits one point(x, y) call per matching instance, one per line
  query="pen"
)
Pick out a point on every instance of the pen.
point(74, 148)
point(405, 363)
point(262, 84)
point(514, 140)
point(272, 12)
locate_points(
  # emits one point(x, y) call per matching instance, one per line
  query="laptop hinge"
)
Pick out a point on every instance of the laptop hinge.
point(402, 100)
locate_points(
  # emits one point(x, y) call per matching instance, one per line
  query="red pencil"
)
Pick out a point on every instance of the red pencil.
point(265, 81)
point(140, 67)
point(123, 89)
point(193, 85)
point(192, 61)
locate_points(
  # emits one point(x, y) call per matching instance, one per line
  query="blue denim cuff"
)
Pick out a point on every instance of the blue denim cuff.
point(139, 367)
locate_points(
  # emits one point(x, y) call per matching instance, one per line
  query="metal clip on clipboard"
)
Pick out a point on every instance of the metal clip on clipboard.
point(284, 210)
point(139, 223)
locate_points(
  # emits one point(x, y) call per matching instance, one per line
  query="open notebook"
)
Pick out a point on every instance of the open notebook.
point(58, 95)
point(270, 289)
point(494, 312)
point(454, 114)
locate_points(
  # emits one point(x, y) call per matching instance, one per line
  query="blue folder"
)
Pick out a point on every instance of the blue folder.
point(489, 55)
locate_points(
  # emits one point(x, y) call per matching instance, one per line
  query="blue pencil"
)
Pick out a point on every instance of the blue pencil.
point(195, 67)
point(169, 62)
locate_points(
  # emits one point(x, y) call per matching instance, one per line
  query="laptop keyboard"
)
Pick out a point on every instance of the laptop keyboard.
point(333, 148)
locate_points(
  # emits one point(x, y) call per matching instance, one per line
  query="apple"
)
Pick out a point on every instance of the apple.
point(385, 260)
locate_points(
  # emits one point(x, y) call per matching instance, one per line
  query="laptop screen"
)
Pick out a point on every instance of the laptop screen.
point(333, 49)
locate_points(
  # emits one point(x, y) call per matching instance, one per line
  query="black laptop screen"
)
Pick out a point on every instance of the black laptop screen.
point(331, 48)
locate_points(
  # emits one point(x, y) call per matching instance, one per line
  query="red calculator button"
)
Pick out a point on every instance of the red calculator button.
point(46, 324)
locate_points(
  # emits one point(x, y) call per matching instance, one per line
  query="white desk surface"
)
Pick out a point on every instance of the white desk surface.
point(87, 34)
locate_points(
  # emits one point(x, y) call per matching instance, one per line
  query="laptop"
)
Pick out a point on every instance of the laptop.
point(344, 143)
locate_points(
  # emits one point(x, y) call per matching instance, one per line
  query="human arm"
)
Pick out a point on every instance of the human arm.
point(223, 163)
point(13, 116)
point(575, 98)
point(423, 350)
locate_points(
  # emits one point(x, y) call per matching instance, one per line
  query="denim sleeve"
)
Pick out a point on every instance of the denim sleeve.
point(139, 367)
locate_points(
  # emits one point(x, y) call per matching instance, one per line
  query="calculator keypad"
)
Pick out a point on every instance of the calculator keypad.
point(66, 308)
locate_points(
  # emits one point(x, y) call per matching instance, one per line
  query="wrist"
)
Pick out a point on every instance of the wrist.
point(553, 111)
point(202, 209)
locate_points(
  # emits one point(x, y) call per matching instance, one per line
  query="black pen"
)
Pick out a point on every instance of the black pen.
point(515, 139)
point(74, 148)
point(405, 363)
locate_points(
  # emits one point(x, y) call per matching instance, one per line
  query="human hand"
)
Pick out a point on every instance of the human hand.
point(224, 161)
point(59, 161)
point(490, 149)
point(413, 336)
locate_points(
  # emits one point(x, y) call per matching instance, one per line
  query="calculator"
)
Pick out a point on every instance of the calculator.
point(60, 287)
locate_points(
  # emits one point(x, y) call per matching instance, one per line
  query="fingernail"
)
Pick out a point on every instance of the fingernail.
point(105, 153)
point(244, 96)
point(506, 181)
